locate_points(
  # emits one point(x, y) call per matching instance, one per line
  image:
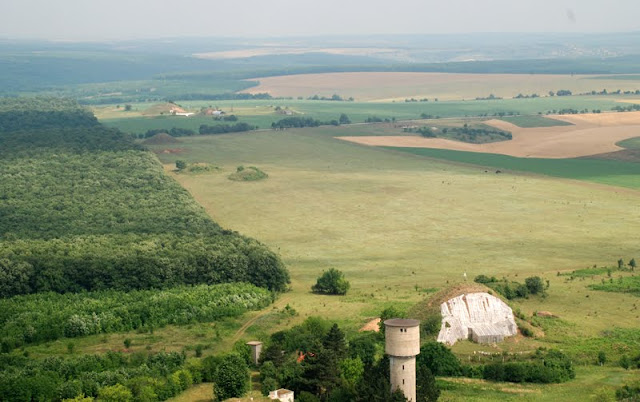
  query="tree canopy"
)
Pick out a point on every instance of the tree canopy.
point(331, 282)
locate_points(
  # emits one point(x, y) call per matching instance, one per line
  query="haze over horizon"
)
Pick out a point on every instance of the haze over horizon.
point(81, 20)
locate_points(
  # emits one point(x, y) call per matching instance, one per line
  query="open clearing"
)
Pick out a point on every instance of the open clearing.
point(590, 134)
point(386, 86)
point(397, 224)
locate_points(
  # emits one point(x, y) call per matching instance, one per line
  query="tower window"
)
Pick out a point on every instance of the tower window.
point(403, 366)
point(403, 381)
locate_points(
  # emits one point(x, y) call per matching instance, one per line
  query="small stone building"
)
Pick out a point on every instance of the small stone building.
point(283, 395)
point(256, 350)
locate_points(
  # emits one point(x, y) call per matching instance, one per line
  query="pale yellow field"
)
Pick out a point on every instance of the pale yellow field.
point(386, 86)
point(591, 134)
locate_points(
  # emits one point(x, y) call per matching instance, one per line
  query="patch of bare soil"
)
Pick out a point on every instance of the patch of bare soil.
point(590, 134)
point(546, 314)
point(371, 326)
point(170, 151)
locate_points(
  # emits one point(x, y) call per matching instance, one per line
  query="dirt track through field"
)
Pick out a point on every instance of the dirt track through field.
point(591, 134)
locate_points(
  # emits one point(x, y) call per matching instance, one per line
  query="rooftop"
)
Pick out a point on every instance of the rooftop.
point(401, 322)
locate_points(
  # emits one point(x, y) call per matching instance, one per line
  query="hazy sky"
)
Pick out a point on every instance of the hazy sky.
point(126, 19)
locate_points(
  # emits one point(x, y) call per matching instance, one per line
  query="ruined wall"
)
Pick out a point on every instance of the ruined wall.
point(487, 316)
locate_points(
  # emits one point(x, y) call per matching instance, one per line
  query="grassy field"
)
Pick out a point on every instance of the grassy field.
point(400, 225)
point(262, 112)
point(632, 143)
point(611, 172)
point(372, 212)
point(534, 121)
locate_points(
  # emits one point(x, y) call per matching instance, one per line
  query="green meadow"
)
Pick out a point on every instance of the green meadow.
point(262, 113)
point(611, 172)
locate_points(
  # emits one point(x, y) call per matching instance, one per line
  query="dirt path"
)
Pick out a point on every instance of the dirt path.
point(278, 304)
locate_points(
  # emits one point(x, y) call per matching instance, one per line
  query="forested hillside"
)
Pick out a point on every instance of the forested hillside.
point(84, 208)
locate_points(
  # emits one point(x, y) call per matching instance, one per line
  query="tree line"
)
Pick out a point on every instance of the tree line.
point(50, 316)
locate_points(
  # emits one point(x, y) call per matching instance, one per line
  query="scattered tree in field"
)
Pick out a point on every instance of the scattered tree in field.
point(625, 362)
point(127, 108)
point(632, 263)
point(344, 119)
point(602, 358)
point(620, 263)
point(127, 343)
point(534, 284)
point(331, 282)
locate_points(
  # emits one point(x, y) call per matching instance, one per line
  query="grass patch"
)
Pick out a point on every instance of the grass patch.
point(631, 143)
point(611, 172)
point(535, 120)
point(587, 272)
point(250, 173)
point(199, 168)
point(623, 284)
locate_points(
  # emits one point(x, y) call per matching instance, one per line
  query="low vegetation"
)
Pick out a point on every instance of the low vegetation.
point(623, 284)
point(533, 285)
point(479, 134)
point(249, 173)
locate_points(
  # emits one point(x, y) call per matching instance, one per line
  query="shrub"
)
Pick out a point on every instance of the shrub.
point(534, 284)
point(439, 359)
point(331, 282)
point(231, 378)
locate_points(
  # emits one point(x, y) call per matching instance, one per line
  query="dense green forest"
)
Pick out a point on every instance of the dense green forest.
point(84, 208)
point(50, 316)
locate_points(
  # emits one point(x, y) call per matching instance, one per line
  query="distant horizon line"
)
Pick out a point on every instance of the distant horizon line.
point(4, 38)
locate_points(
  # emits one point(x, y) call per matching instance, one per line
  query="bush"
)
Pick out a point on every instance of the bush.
point(547, 367)
point(331, 282)
point(484, 279)
point(534, 284)
point(231, 378)
point(439, 359)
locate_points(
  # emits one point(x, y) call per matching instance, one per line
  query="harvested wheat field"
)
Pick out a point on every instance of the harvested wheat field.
point(387, 86)
point(590, 134)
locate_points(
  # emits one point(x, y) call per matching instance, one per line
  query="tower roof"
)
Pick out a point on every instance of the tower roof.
point(401, 322)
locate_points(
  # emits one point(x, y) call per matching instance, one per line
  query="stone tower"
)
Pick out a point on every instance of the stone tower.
point(256, 350)
point(402, 344)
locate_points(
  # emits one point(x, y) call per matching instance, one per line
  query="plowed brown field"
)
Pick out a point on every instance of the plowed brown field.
point(591, 134)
